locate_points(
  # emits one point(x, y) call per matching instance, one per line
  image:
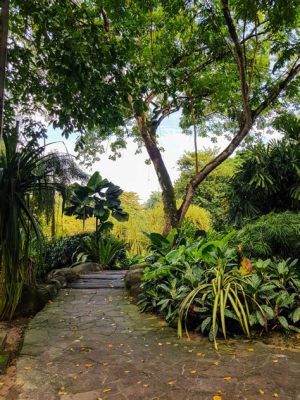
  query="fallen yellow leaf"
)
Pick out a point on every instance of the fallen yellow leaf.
point(146, 385)
point(261, 391)
point(275, 395)
point(250, 350)
point(62, 391)
point(216, 362)
point(106, 390)
point(171, 382)
point(227, 378)
point(193, 372)
point(190, 351)
point(110, 345)
point(28, 367)
point(88, 365)
point(275, 361)
point(217, 398)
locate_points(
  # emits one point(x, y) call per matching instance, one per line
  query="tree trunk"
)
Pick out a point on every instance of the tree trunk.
point(3, 52)
point(168, 196)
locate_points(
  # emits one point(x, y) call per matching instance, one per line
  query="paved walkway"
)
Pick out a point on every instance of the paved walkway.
point(93, 344)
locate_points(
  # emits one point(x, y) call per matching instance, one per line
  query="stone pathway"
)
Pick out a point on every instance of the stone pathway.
point(94, 344)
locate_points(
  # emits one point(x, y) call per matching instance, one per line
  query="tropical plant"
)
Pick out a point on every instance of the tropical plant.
point(61, 252)
point(219, 296)
point(267, 179)
point(207, 285)
point(105, 250)
point(274, 234)
point(25, 186)
point(274, 289)
point(99, 198)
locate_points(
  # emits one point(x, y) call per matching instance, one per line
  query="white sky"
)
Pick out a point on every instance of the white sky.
point(130, 171)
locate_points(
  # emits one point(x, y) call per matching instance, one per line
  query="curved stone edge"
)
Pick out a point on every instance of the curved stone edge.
point(35, 297)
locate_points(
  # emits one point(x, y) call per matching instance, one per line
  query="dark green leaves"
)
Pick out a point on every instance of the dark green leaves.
point(98, 198)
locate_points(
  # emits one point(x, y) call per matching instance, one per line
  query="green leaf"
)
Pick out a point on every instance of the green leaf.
point(205, 324)
point(296, 315)
point(283, 321)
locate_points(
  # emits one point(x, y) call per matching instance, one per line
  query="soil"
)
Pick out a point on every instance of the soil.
point(14, 330)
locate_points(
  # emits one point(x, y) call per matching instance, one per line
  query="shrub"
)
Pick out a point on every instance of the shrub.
point(61, 252)
point(266, 179)
point(105, 250)
point(207, 286)
point(272, 235)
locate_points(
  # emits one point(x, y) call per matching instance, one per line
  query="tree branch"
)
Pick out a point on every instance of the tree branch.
point(276, 91)
point(105, 19)
point(240, 58)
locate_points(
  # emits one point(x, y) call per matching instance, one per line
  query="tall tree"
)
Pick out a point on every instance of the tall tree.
point(119, 68)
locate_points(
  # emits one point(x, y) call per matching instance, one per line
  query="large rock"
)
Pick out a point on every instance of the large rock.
point(86, 267)
point(68, 274)
point(133, 279)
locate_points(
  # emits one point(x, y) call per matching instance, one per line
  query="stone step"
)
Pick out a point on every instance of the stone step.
point(101, 276)
point(4, 359)
point(100, 280)
point(96, 284)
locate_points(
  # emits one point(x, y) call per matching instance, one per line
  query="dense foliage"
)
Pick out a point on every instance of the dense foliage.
point(62, 251)
point(99, 198)
point(267, 176)
point(27, 185)
point(272, 235)
point(208, 286)
point(118, 69)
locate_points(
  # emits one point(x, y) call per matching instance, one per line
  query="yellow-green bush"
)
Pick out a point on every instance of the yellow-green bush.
point(140, 220)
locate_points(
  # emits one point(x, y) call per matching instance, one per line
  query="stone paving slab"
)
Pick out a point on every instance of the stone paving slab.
point(94, 344)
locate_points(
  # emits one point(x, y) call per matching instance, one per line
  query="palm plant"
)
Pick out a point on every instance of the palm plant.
point(26, 187)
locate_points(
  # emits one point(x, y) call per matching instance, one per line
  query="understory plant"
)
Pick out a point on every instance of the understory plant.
point(274, 234)
point(26, 188)
point(62, 251)
point(105, 250)
point(209, 286)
